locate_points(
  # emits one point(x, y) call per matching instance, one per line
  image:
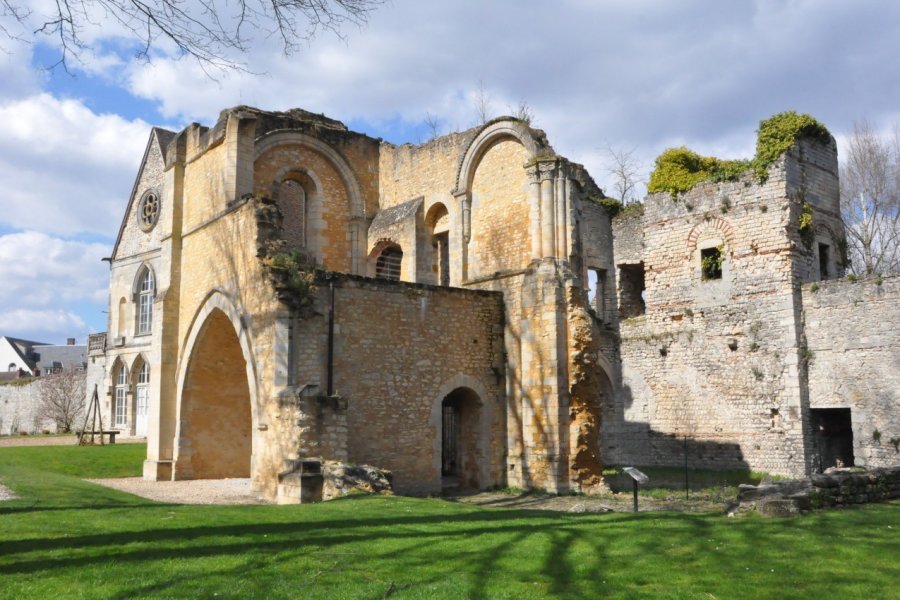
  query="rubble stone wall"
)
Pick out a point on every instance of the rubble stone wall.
point(852, 336)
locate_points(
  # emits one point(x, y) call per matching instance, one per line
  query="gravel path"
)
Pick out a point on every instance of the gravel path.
point(54, 440)
point(196, 491)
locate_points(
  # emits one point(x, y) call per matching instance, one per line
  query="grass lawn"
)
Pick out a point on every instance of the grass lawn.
point(65, 538)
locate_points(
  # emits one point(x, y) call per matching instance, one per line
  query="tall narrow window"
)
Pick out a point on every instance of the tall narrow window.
point(121, 410)
point(388, 264)
point(292, 202)
point(142, 400)
point(631, 291)
point(145, 303)
point(824, 260)
point(597, 291)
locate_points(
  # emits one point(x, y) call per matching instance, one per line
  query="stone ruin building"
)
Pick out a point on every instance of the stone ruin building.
point(465, 312)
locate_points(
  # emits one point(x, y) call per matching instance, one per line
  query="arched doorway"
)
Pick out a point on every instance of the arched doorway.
point(461, 454)
point(215, 438)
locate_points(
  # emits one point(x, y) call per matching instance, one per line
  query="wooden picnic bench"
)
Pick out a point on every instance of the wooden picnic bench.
point(112, 433)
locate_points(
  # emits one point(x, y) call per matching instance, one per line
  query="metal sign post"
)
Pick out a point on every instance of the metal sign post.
point(636, 478)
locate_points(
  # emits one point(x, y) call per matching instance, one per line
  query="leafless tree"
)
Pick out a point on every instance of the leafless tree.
point(870, 200)
point(523, 112)
point(624, 167)
point(483, 110)
point(62, 398)
point(208, 31)
point(433, 125)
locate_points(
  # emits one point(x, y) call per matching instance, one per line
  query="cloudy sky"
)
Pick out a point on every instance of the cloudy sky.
point(637, 75)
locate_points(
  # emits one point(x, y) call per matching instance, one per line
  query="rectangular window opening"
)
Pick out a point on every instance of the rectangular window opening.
point(631, 291)
point(711, 260)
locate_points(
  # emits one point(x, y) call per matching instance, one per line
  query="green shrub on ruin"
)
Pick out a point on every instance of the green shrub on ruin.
point(678, 170)
point(778, 133)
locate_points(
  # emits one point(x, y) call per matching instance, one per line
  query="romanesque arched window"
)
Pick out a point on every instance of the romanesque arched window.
point(146, 287)
point(388, 264)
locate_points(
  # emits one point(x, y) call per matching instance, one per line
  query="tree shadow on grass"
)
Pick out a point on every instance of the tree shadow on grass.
point(560, 555)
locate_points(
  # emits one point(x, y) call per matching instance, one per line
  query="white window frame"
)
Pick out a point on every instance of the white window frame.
point(145, 303)
point(120, 418)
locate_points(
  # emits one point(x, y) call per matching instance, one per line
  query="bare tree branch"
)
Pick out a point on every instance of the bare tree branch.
point(870, 200)
point(62, 398)
point(624, 168)
point(210, 33)
point(483, 110)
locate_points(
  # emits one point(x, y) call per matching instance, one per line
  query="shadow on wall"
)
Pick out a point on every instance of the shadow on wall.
point(670, 449)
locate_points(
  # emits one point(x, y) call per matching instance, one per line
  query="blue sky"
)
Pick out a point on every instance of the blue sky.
point(639, 75)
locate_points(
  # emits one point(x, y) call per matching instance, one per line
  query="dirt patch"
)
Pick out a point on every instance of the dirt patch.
point(195, 491)
point(589, 503)
point(6, 493)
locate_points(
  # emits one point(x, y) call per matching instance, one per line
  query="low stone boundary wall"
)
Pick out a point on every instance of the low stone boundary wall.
point(841, 487)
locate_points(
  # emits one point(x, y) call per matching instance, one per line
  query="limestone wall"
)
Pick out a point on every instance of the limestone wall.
point(133, 240)
point(399, 349)
point(852, 336)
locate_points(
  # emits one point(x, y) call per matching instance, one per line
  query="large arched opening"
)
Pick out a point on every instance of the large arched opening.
point(215, 438)
point(461, 452)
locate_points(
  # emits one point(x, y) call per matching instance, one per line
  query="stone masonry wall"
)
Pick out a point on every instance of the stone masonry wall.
point(852, 336)
point(399, 350)
point(718, 360)
point(19, 409)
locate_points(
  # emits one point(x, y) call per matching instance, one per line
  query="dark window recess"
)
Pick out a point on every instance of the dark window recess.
point(631, 291)
point(388, 264)
point(824, 260)
point(442, 247)
point(711, 260)
point(832, 437)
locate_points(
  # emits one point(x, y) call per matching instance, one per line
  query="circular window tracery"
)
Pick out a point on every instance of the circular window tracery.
point(148, 210)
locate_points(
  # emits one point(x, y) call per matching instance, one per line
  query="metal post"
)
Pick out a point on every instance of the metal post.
point(687, 487)
point(635, 484)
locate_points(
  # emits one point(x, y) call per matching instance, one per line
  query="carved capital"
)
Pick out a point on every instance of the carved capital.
point(547, 169)
point(532, 173)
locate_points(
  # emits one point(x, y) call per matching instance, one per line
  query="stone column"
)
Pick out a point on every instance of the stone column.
point(548, 209)
point(561, 220)
point(534, 201)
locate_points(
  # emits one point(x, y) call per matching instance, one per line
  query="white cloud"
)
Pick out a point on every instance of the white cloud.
point(49, 325)
point(38, 270)
point(65, 168)
point(643, 75)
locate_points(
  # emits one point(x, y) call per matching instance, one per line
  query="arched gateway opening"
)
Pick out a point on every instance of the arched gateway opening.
point(216, 419)
point(461, 454)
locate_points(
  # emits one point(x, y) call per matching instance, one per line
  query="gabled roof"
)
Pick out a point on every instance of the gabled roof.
point(24, 349)
point(162, 137)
